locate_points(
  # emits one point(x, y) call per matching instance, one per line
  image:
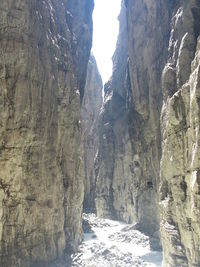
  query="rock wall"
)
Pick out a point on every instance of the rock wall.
point(90, 109)
point(130, 147)
point(44, 51)
point(141, 162)
point(180, 183)
point(148, 31)
point(113, 196)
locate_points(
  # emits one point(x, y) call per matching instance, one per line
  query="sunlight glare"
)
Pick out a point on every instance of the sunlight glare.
point(105, 32)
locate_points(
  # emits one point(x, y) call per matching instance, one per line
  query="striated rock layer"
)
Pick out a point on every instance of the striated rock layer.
point(90, 109)
point(44, 50)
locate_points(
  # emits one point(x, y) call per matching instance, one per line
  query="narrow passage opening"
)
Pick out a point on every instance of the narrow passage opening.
point(106, 242)
point(105, 32)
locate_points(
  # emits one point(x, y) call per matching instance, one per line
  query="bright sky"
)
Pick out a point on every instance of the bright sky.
point(105, 32)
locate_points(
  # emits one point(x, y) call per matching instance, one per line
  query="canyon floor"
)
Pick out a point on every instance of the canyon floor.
point(110, 243)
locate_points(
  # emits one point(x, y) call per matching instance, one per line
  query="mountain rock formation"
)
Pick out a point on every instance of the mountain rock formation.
point(148, 161)
point(114, 177)
point(180, 163)
point(44, 51)
point(137, 155)
point(90, 110)
point(130, 149)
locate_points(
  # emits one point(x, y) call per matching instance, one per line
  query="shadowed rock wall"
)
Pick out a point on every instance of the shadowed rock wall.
point(113, 196)
point(90, 110)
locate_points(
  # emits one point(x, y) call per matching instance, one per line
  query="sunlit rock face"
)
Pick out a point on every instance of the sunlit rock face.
point(90, 109)
point(180, 176)
point(44, 51)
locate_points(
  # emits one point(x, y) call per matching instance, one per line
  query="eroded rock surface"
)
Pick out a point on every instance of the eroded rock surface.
point(140, 162)
point(111, 163)
point(180, 184)
point(92, 102)
point(156, 72)
point(44, 51)
point(130, 132)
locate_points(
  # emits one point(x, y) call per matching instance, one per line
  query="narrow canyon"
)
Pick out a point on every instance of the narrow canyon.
point(131, 154)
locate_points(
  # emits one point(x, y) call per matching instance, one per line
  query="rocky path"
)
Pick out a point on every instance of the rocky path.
point(110, 243)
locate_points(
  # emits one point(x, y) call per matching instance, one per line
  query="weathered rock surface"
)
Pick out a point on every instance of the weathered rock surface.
point(90, 109)
point(157, 58)
point(140, 163)
point(113, 195)
point(130, 151)
point(44, 51)
point(180, 183)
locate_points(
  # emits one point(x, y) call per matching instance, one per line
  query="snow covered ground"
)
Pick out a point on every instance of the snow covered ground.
point(110, 243)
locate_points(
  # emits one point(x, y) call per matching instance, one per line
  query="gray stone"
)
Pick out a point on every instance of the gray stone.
point(91, 105)
point(130, 146)
point(44, 51)
point(179, 186)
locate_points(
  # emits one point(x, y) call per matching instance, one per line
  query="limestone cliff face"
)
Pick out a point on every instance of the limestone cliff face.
point(180, 165)
point(92, 102)
point(44, 50)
